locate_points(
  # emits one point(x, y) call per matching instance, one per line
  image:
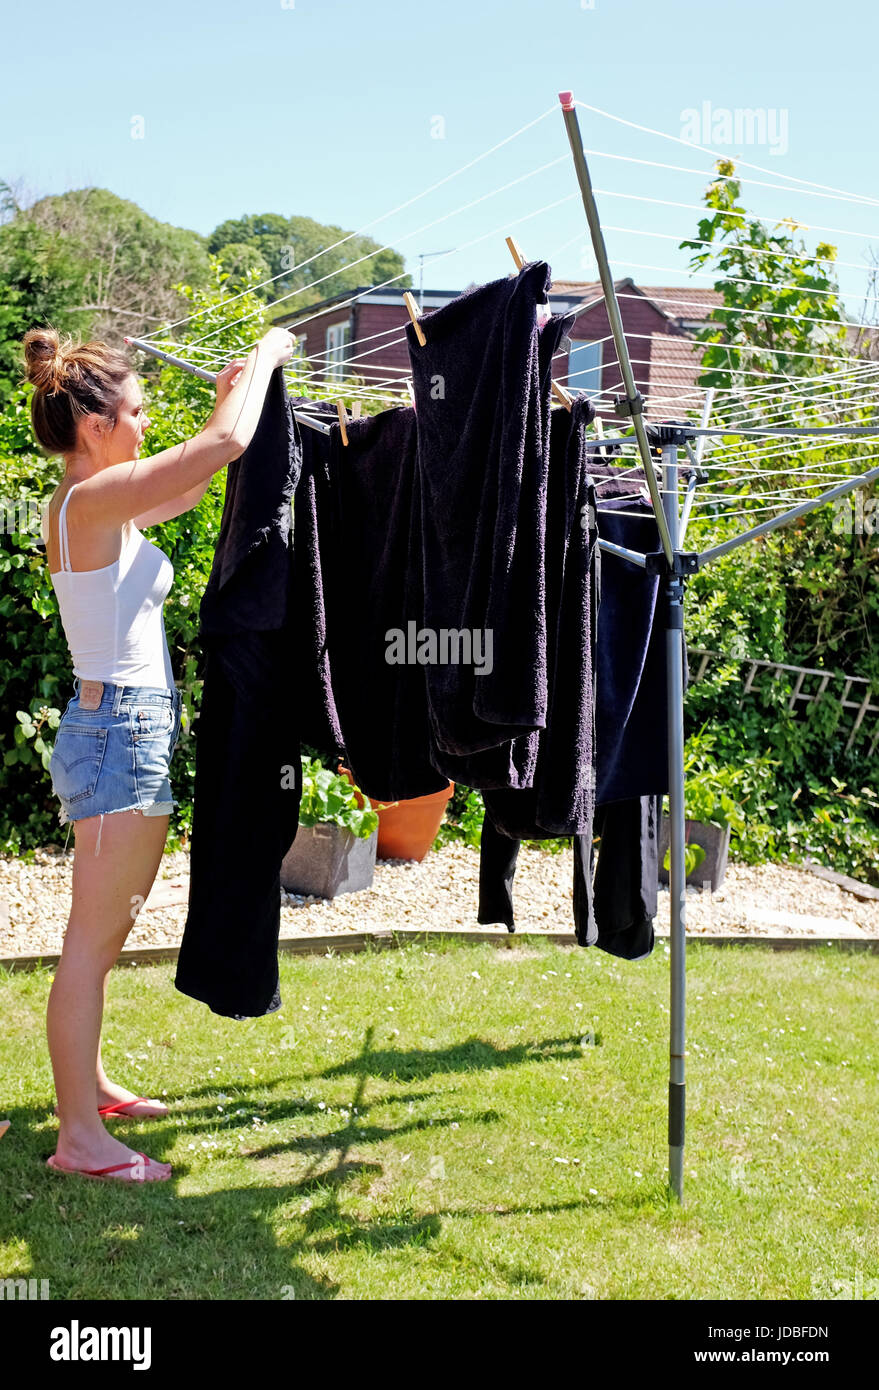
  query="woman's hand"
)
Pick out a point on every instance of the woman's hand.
point(280, 345)
point(227, 378)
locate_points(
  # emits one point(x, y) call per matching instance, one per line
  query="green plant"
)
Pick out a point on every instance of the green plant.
point(29, 740)
point(693, 856)
point(463, 820)
point(328, 797)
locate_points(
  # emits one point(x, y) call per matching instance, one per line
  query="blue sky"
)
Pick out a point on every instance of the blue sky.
point(342, 110)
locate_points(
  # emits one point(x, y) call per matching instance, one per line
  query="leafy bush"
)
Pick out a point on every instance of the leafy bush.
point(330, 798)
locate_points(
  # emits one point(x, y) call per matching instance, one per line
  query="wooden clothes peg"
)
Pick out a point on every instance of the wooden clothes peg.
point(343, 421)
point(561, 395)
point(516, 252)
point(356, 408)
point(409, 301)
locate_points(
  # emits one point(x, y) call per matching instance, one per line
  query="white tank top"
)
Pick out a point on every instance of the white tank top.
point(112, 617)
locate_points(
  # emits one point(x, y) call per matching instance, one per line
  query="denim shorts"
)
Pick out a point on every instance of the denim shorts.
point(116, 757)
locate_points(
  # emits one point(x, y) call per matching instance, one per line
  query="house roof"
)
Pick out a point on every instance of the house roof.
point(675, 362)
point(674, 302)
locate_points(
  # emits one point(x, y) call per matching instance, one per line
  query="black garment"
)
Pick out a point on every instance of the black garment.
point(614, 902)
point(369, 535)
point(247, 775)
point(482, 399)
point(313, 698)
point(245, 816)
point(561, 798)
point(631, 700)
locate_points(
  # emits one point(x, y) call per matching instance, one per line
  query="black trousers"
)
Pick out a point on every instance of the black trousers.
point(246, 814)
point(614, 901)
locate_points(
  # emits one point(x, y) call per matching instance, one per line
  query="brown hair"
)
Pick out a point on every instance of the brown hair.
point(71, 381)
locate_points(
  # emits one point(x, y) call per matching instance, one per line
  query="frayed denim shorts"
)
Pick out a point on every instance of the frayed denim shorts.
point(116, 757)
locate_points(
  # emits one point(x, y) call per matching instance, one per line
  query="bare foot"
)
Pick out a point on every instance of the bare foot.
point(98, 1149)
point(111, 1094)
point(136, 1108)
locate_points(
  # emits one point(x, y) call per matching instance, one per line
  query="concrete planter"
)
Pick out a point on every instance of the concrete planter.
point(715, 843)
point(325, 860)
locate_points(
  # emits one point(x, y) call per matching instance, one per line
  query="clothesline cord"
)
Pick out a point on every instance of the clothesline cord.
point(704, 149)
point(552, 110)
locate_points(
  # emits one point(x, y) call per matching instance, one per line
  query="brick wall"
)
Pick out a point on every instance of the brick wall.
point(381, 358)
point(385, 357)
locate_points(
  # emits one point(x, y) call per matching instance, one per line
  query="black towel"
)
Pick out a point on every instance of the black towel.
point(615, 909)
point(561, 800)
point(631, 702)
point(374, 606)
point(482, 399)
point(247, 774)
point(312, 701)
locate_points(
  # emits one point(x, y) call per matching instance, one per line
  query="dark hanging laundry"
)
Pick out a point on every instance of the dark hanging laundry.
point(313, 697)
point(361, 534)
point(614, 894)
point(631, 698)
point(625, 882)
point(482, 400)
point(247, 775)
point(561, 797)
point(513, 763)
point(614, 901)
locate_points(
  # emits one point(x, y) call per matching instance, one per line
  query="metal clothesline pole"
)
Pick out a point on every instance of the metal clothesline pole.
point(211, 376)
point(674, 675)
point(632, 404)
point(863, 480)
point(677, 566)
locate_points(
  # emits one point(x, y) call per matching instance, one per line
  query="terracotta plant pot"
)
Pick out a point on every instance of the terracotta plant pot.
point(407, 829)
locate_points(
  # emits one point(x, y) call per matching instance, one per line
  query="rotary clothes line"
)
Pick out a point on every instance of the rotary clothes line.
point(674, 565)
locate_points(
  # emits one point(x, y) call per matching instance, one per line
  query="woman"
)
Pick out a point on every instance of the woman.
point(114, 743)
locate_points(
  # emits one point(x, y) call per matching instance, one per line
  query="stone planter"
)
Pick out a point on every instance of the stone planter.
point(326, 859)
point(715, 843)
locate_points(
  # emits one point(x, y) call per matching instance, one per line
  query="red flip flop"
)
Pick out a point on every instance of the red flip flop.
point(123, 1107)
point(136, 1166)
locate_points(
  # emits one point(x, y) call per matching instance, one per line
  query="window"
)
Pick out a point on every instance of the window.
point(338, 338)
point(584, 366)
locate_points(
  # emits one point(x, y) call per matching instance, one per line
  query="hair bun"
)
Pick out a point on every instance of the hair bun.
point(45, 359)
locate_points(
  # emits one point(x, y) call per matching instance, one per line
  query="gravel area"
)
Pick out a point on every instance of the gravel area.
point(441, 892)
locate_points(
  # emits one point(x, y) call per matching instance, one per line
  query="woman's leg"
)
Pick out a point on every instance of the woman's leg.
point(104, 889)
point(110, 1092)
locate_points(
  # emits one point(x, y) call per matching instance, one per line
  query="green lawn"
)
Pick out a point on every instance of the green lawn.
point(467, 1122)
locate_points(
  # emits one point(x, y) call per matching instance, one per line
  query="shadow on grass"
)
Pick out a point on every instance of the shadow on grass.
point(108, 1241)
point(474, 1054)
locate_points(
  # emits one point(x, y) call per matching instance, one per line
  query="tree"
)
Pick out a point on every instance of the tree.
point(91, 264)
point(41, 277)
point(301, 268)
point(781, 313)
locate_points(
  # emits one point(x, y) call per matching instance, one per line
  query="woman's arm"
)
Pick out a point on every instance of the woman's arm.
point(226, 379)
point(176, 507)
point(141, 487)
